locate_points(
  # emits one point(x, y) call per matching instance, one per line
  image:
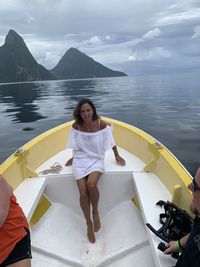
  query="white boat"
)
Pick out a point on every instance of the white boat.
point(127, 199)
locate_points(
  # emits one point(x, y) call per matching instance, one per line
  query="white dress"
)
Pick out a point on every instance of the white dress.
point(89, 150)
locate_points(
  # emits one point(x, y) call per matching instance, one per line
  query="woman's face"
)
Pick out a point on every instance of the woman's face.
point(86, 112)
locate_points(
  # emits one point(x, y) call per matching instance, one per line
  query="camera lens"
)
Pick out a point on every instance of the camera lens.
point(162, 246)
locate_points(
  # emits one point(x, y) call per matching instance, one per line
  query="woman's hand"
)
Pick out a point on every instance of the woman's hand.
point(69, 162)
point(120, 160)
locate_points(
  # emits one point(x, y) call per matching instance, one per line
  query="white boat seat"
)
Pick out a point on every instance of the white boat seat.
point(150, 190)
point(133, 163)
point(28, 194)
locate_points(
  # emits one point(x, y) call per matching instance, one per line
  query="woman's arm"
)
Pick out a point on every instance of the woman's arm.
point(118, 158)
point(69, 162)
point(5, 193)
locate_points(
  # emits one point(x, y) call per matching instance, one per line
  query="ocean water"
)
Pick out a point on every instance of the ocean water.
point(165, 106)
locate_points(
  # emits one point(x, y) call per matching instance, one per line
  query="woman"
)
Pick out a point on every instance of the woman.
point(90, 137)
point(15, 249)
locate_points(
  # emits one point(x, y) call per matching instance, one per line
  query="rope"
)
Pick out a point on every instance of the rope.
point(55, 168)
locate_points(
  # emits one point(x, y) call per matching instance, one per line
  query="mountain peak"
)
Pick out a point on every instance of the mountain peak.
point(17, 62)
point(12, 37)
point(76, 65)
point(73, 51)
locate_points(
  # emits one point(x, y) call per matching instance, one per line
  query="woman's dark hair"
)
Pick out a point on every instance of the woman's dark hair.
point(77, 110)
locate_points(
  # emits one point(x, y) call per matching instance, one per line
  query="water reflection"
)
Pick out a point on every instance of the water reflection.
point(25, 101)
point(167, 107)
point(20, 100)
point(78, 89)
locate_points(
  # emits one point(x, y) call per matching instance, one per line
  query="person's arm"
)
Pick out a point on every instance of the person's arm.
point(5, 193)
point(172, 246)
point(118, 158)
point(69, 162)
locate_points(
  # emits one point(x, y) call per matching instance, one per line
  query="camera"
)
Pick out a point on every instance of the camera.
point(162, 247)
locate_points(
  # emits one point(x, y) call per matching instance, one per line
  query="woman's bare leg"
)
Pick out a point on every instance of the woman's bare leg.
point(92, 181)
point(22, 263)
point(85, 206)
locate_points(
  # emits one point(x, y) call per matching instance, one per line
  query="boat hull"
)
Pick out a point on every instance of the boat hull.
point(157, 158)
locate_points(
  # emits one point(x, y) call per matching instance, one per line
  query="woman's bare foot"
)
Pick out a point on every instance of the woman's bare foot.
point(97, 222)
point(90, 233)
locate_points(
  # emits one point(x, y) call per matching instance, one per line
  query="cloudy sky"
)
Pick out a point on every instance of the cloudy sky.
point(128, 35)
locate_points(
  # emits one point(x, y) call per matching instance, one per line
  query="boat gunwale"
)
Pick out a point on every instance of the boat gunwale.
point(170, 158)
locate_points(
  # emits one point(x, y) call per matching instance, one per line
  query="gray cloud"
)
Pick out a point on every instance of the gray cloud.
point(119, 34)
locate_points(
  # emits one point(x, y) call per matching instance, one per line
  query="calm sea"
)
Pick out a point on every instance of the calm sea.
point(165, 106)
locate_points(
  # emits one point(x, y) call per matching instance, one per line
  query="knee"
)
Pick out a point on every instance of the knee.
point(91, 186)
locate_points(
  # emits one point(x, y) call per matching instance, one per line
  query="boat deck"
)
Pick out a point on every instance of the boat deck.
point(117, 244)
point(121, 240)
point(59, 238)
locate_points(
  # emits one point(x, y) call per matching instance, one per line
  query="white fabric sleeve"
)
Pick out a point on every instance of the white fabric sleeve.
point(72, 141)
point(109, 141)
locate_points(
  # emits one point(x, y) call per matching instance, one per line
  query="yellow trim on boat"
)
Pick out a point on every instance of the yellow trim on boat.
point(157, 157)
point(43, 205)
point(22, 165)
